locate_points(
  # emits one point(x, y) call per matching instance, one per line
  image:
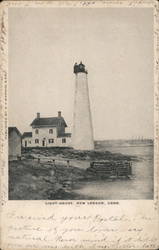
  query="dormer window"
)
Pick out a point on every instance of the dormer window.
point(36, 131)
point(50, 131)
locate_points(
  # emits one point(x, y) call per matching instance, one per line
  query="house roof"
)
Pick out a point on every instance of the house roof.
point(49, 122)
point(27, 134)
point(11, 129)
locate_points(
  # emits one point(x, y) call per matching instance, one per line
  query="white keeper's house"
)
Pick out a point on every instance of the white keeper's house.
point(47, 132)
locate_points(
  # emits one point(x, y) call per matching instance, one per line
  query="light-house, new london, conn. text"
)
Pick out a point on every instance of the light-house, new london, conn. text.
point(82, 136)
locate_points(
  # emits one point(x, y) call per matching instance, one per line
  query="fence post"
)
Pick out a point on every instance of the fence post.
point(117, 174)
point(68, 163)
point(130, 169)
point(55, 170)
point(53, 162)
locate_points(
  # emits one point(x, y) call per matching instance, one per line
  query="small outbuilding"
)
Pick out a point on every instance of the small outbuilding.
point(26, 139)
point(14, 143)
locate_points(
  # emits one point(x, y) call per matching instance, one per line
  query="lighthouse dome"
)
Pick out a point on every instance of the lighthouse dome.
point(79, 68)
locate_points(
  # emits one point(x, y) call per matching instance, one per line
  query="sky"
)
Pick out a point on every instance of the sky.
point(115, 44)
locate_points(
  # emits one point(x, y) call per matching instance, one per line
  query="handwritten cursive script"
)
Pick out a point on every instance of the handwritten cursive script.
point(77, 231)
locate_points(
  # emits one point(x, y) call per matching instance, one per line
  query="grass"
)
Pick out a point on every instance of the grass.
point(30, 180)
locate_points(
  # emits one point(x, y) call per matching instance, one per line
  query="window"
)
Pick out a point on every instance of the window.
point(50, 131)
point(63, 140)
point(36, 140)
point(51, 140)
point(29, 142)
point(36, 131)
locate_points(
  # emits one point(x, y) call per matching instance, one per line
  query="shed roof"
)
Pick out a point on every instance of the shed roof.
point(11, 129)
point(49, 122)
point(64, 135)
point(27, 134)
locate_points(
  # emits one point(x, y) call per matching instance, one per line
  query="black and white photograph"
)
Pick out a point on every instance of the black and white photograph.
point(80, 103)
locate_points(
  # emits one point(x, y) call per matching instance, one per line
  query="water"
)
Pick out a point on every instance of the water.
point(139, 187)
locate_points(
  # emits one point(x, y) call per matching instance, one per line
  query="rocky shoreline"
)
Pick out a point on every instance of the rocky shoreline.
point(70, 153)
point(30, 179)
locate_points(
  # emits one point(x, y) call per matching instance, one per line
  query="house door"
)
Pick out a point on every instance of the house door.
point(25, 143)
point(43, 143)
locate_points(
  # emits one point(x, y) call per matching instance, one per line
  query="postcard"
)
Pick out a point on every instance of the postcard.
point(79, 125)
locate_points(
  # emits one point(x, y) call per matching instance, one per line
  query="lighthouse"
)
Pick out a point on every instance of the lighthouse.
point(82, 135)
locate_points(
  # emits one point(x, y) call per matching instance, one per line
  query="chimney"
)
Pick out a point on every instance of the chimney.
point(38, 115)
point(59, 113)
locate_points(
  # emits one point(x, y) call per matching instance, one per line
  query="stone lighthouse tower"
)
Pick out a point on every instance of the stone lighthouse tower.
point(82, 136)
